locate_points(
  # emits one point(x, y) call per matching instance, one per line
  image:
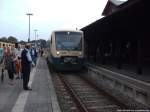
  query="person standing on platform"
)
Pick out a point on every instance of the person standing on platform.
point(9, 65)
point(26, 66)
point(1, 54)
point(18, 62)
point(33, 53)
point(41, 51)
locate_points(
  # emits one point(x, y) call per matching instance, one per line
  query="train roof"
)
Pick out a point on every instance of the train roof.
point(67, 30)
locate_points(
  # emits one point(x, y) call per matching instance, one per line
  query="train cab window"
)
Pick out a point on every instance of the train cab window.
point(68, 41)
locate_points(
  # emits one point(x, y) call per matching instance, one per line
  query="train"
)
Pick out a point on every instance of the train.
point(67, 50)
point(6, 44)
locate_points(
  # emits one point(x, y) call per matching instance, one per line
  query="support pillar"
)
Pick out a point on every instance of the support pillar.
point(119, 58)
point(103, 53)
point(139, 56)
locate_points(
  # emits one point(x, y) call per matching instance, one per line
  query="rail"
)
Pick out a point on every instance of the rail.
point(78, 101)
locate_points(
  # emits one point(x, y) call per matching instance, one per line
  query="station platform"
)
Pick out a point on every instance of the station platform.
point(124, 84)
point(42, 98)
point(128, 71)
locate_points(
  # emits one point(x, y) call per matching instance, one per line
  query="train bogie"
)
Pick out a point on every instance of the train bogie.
point(68, 63)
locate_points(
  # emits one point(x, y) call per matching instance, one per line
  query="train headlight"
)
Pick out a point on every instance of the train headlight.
point(57, 52)
point(80, 53)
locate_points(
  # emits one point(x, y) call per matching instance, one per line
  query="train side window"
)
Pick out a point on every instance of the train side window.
point(51, 39)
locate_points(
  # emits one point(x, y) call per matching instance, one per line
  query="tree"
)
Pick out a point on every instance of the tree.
point(12, 39)
point(43, 43)
point(48, 43)
point(22, 42)
point(3, 39)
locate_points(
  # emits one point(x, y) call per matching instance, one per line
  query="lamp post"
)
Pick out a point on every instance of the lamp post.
point(29, 14)
point(37, 40)
point(35, 36)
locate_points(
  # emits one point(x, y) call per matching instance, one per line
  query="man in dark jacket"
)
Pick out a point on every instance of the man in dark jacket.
point(26, 66)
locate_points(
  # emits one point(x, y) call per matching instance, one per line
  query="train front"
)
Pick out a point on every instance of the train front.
point(69, 50)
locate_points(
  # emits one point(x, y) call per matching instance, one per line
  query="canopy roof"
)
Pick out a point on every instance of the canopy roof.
point(132, 18)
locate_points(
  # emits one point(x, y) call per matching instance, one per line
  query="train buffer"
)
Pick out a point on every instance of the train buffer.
point(42, 98)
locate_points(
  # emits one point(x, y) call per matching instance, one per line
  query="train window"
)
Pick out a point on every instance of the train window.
point(71, 41)
point(51, 39)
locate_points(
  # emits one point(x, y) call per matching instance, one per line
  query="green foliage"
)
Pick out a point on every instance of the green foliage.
point(12, 39)
point(22, 42)
point(3, 39)
point(43, 43)
point(48, 43)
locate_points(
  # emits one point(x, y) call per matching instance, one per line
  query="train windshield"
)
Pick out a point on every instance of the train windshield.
point(68, 41)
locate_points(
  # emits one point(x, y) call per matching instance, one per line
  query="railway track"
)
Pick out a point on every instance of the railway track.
point(77, 95)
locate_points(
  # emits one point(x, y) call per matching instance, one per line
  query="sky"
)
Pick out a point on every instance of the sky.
point(48, 15)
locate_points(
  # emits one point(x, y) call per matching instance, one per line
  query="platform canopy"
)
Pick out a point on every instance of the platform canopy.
point(132, 18)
